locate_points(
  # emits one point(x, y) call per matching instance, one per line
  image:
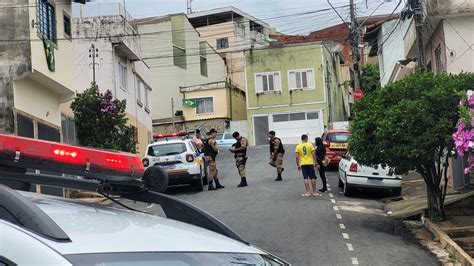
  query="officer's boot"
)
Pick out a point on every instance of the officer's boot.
point(218, 185)
point(279, 177)
point(211, 186)
point(243, 182)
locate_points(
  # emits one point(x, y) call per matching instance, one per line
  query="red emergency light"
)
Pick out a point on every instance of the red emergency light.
point(170, 135)
point(62, 158)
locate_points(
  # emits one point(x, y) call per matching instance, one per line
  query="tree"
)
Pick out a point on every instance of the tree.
point(101, 121)
point(408, 125)
point(370, 78)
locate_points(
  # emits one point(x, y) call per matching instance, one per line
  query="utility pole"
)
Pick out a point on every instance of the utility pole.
point(93, 53)
point(354, 34)
point(417, 7)
point(189, 6)
point(172, 114)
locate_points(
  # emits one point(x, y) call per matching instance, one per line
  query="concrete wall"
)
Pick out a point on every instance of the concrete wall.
point(462, 57)
point(166, 78)
point(238, 104)
point(15, 57)
point(284, 59)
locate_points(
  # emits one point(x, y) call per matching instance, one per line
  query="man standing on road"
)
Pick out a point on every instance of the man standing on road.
point(305, 161)
point(210, 151)
point(239, 149)
point(276, 154)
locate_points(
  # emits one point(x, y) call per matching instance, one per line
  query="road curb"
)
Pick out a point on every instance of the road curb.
point(449, 244)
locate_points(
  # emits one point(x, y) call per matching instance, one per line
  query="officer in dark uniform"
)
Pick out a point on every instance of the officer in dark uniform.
point(276, 154)
point(239, 149)
point(210, 151)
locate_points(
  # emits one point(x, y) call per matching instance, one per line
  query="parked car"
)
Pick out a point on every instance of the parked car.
point(179, 157)
point(353, 176)
point(225, 140)
point(336, 143)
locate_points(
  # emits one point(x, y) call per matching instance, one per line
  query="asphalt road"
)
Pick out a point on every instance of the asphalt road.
point(327, 230)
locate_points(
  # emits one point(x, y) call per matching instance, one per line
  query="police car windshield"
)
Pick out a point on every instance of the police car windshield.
point(171, 259)
point(167, 149)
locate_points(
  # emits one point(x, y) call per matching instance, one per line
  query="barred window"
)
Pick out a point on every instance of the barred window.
point(46, 20)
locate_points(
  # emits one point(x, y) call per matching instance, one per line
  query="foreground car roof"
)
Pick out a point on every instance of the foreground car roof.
point(100, 229)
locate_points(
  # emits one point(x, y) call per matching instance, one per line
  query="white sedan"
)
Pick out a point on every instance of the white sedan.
point(353, 175)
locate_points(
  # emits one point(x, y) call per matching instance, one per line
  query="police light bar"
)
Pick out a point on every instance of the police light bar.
point(62, 158)
point(170, 135)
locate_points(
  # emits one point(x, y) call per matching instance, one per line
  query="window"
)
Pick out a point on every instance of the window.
point(68, 127)
point(67, 25)
point(281, 118)
point(167, 149)
point(204, 105)
point(297, 116)
point(147, 97)
point(46, 20)
point(313, 116)
point(222, 43)
point(203, 58)
point(267, 82)
point(48, 133)
point(138, 89)
point(228, 136)
point(123, 76)
point(301, 79)
point(179, 56)
point(25, 126)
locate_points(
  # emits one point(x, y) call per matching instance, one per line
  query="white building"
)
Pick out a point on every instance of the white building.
point(230, 31)
point(118, 65)
point(171, 47)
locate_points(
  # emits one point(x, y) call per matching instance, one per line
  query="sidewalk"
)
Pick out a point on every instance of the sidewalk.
point(413, 200)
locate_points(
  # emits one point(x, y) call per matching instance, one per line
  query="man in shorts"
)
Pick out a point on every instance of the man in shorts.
point(305, 161)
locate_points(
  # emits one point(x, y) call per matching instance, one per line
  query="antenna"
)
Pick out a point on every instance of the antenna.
point(189, 6)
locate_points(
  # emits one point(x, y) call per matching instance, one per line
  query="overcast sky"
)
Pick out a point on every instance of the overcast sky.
point(288, 16)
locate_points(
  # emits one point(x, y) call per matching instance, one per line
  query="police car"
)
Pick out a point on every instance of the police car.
point(177, 154)
point(46, 230)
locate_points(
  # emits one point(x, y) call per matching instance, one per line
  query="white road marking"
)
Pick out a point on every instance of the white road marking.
point(342, 226)
point(345, 235)
point(333, 201)
point(335, 208)
point(350, 247)
point(355, 261)
point(331, 195)
point(338, 216)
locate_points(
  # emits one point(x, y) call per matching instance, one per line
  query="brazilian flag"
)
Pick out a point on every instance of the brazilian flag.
point(49, 51)
point(189, 102)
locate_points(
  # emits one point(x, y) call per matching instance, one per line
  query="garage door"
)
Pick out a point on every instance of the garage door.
point(290, 126)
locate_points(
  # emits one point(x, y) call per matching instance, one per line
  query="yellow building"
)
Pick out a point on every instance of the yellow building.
point(212, 105)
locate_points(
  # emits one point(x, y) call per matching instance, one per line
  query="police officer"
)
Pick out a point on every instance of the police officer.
point(210, 151)
point(276, 154)
point(239, 149)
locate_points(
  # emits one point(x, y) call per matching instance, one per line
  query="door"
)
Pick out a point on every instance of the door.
point(260, 129)
point(290, 126)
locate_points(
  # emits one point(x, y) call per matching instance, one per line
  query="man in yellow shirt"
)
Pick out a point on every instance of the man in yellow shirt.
point(305, 161)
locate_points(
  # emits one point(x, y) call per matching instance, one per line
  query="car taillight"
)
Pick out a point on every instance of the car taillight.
point(353, 167)
point(189, 158)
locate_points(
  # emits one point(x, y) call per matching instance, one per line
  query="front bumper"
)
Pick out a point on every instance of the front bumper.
point(375, 183)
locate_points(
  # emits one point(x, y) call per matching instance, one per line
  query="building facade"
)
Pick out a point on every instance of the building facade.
point(36, 74)
point(230, 31)
point(287, 91)
point(177, 58)
point(119, 67)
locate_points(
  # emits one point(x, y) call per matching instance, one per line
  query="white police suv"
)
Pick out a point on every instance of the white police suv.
point(36, 229)
point(179, 157)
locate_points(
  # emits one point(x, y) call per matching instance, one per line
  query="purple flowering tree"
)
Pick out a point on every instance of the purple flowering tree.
point(101, 121)
point(464, 135)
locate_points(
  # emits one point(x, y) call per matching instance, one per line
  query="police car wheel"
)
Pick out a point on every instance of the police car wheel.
point(156, 179)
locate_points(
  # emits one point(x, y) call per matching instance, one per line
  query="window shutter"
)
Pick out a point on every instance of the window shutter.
point(265, 82)
point(276, 81)
point(304, 79)
point(310, 78)
point(292, 80)
point(298, 80)
point(271, 82)
point(259, 82)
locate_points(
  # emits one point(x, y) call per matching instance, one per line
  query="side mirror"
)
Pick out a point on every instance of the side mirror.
point(326, 143)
